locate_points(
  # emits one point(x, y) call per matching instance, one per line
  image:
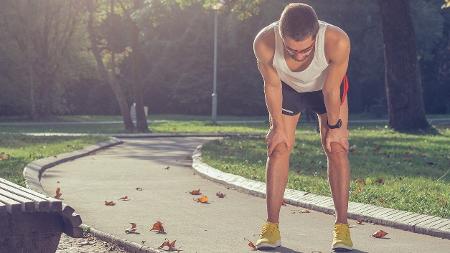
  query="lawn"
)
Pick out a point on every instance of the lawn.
point(22, 150)
point(389, 169)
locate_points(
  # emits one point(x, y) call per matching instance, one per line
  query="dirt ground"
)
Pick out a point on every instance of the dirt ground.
point(88, 244)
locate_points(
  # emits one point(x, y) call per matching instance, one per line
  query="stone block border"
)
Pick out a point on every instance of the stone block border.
point(418, 223)
point(34, 170)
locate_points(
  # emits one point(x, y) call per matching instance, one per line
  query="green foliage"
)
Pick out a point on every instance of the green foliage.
point(178, 55)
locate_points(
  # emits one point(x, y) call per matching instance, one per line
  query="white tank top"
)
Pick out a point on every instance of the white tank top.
point(313, 77)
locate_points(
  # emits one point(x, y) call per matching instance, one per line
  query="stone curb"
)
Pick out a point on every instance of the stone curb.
point(126, 245)
point(34, 170)
point(418, 223)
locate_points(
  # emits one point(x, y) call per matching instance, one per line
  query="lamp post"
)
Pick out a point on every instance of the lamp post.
point(216, 9)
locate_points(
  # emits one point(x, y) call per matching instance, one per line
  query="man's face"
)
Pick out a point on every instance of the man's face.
point(299, 50)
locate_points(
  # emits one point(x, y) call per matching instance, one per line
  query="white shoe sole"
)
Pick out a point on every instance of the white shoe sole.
point(340, 246)
point(268, 245)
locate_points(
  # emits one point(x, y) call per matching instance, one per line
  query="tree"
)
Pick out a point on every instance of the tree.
point(403, 85)
point(105, 51)
point(42, 31)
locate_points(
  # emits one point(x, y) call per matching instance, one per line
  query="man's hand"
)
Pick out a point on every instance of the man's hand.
point(337, 135)
point(274, 137)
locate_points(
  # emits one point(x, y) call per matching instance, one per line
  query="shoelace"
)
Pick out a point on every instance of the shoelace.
point(267, 228)
point(342, 233)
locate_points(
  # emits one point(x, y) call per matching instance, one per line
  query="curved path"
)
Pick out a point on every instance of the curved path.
point(220, 226)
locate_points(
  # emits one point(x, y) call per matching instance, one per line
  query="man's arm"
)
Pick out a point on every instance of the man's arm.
point(338, 52)
point(272, 84)
point(263, 47)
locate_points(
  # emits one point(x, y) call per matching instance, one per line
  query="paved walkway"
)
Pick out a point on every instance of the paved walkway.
point(220, 226)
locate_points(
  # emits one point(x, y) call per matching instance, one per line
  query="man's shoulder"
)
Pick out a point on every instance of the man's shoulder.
point(336, 40)
point(264, 43)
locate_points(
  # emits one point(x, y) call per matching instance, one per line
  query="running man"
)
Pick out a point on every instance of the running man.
point(303, 62)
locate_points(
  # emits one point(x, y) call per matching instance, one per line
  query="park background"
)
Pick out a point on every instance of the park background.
point(77, 67)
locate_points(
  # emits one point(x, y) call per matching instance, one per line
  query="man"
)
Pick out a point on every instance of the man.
point(303, 62)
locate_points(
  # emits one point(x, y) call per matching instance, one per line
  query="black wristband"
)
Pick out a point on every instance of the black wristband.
point(338, 124)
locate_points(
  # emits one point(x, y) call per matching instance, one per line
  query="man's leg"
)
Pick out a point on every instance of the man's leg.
point(277, 167)
point(338, 167)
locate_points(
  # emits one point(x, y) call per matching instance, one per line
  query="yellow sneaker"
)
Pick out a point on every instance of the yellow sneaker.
point(270, 236)
point(341, 238)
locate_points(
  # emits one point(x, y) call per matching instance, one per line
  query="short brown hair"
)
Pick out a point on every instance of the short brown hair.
point(298, 21)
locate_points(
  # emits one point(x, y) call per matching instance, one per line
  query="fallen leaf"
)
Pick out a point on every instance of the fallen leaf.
point(132, 230)
point(58, 193)
point(195, 192)
point(158, 227)
point(138, 189)
point(124, 198)
point(251, 244)
point(379, 181)
point(202, 199)
point(170, 246)
point(109, 203)
point(4, 156)
point(360, 181)
point(220, 195)
point(379, 234)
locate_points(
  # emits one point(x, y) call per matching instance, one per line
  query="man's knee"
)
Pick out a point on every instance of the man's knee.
point(337, 151)
point(281, 150)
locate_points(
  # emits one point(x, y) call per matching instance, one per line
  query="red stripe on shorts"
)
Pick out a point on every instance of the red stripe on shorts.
point(344, 94)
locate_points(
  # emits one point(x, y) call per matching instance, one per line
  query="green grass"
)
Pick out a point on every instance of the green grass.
point(25, 149)
point(93, 118)
point(389, 169)
point(180, 117)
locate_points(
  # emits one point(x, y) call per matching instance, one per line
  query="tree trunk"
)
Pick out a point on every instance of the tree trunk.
point(403, 86)
point(33, 111)
point(138, 91)
point(110, 79)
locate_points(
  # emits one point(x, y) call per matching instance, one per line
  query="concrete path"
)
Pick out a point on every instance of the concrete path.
point(220, 226)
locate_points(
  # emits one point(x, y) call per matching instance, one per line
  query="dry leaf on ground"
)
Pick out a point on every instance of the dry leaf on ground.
point(169, 246)
point(379, 234)
point(195, 192)
point(220, 195)
point(202, 199)
point(110, 203)
point(158, 227)
point(132, 230)
point(4, 156)
point(251, 244)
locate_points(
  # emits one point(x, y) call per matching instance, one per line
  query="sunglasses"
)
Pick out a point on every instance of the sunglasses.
point(293, 52)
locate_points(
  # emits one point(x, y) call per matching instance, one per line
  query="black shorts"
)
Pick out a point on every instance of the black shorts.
point(295, 102)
